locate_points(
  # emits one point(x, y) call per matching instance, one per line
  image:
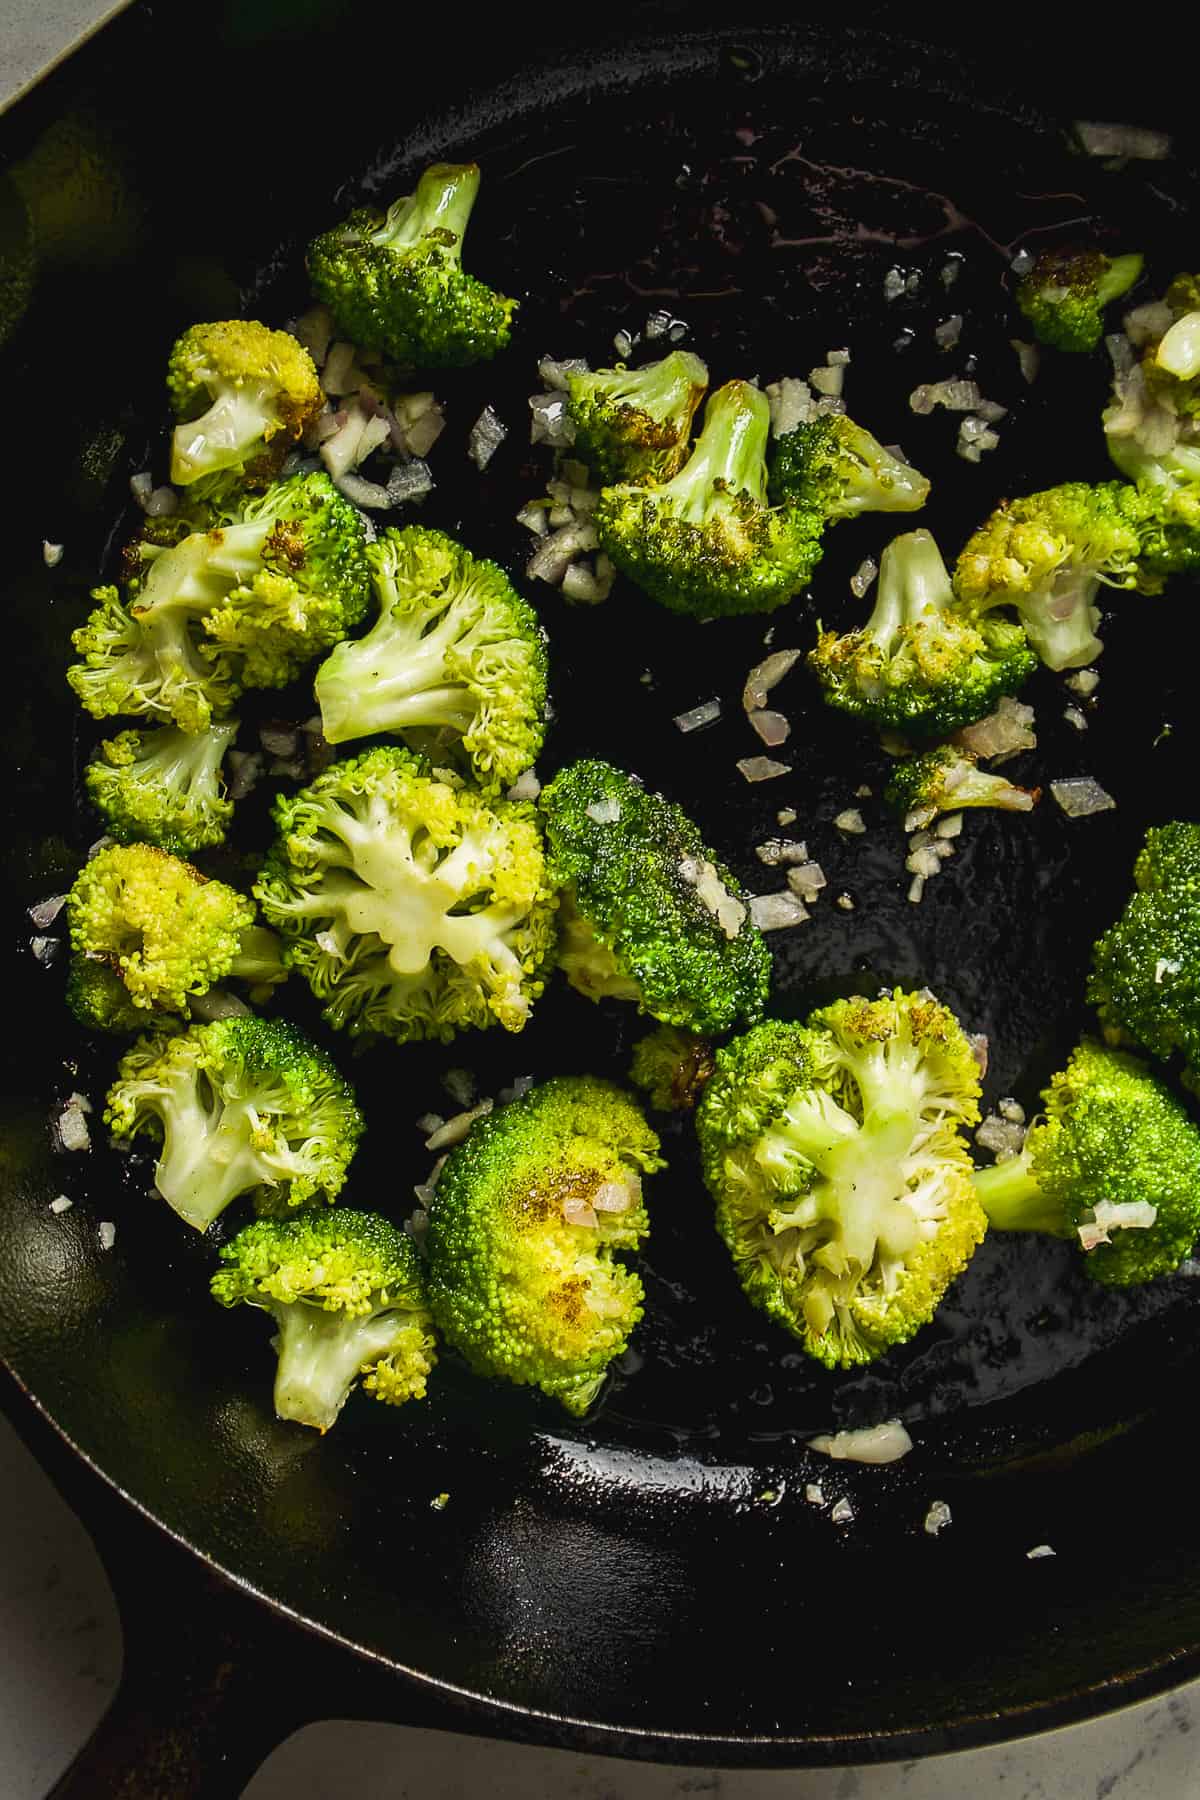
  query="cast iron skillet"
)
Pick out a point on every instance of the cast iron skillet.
point(652, 1581)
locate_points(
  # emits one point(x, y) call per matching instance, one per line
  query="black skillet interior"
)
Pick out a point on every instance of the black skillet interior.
point(650, 1572)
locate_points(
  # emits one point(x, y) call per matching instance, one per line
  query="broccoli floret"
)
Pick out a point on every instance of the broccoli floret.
point(157, 923)
point(707, 542)
point(454, 650)
point(243, 605)
point(1145, 979)
point(524, 1226)
point(347, 1295)
point(835, 465)
point(945, 779)
point(648, 915)
point(163, 787)
point(1065, 293)
point(636, 424)
point(396, 283)
point(1046, 556)
point(242, 1106)
point(243, 394)
point(835, 1153)
point(1111, 1138)
point(99, 1000)
point(917, 665)
point(413, 910)
point(671, 1067)
point(1166, 506)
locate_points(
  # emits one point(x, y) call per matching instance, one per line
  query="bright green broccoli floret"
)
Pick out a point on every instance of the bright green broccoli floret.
point(163, 787)
point(1113, 1163)
point(1047, 556)
point(347, 1296)
point(242, 1106)
point(99, 1000)
point(671, 1067)
point(945, 779)
point(835, 1153)
point(917, 665)
point(413, 909)
point(396, 283)
point(1065, 293)
point(707, 542)
point(244, 605)
point(838, 467)
point(243, 394)
point(524, 1226)
point(647, 914)
point(455, 650)
point(636, 424)
point(1145, 979)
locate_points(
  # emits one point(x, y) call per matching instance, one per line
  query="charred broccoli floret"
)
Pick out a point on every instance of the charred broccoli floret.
point(671, 1067)
point(346, 1293)
point(837, 466)
point(1065, 293)
point(945, 779)
point(636, 424)
point(526, 1225)
point(395, 282)
point(243, 394)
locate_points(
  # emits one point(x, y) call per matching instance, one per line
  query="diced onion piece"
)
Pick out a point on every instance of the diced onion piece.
point(772, 727)
point(766, 675)
point(775, 912)
point(807, 880)
point(979, 1050)
point(828, 380)
point(1039, 1551)
point(874, 1444)
point(579, 1212)
point(622, 343)
point(1179, 350)
point(487, 434)
point(893, 284)
point(1080, 796)
point(141, 486)
point(1074, 717)
point(424, 432)
point(1002, 733)
point(162, 503)
point(851, 821)
point(1109, 1216)
point(1028, 357)
point(604, 812)
point(550, 423)
point(533, 518)
point(846, 902)
point(863, 576)
point(1145, 325)
point(947, 334)
point(456, 1129)
point(245, 768)
point(841, 1512)
point(525, 787)
point(916, 890)
point(589, 586)
point(550, 560)
point(937, 1518)
point(762, 768)
point(45, 912)
point(557, 374)
point(949, 827)
point(956, 395)
point(429, 1122)
point(614, 1196)
point(791, 404)
point(1005, 1138)
point(52, 554)
point(696, 717)
point(106, 1231)
point(1100, 138)
point(72, 1127)
point(1083, 682)
point(314, 329)
point(340, 374)
point(61, 1204)
point(1011, 1109)
point(409, 481)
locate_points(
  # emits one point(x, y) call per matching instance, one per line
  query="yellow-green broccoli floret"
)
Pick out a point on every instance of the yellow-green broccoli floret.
point(837, 466)
point(835, 1153)
point(396, 283)
point(163, 787)
point(241, 1106)
point(647, 914)
point(671, 1067)
point(945, 779)
point(455, 650)
point(243, 394)
point(1065, 293)
point(1145, 979)
point(1046, 556)
point(413, 909)
point(99, 1000)
point(636, 424)
point(1113, 1162)
point(244, 605)
point(918, 665)
point(525, 1226)
point(346, 1293)
point(707, 542)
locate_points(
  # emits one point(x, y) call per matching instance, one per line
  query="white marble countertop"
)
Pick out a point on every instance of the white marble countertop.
point(60, 1644)
point(60, 1658)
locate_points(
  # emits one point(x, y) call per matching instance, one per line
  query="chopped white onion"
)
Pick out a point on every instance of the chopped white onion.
point(1080, 796)
point(525, 787)
point(245, 768)
point(791, 404)
point(807, 880)
point(428, 1123)
point(776, 912)
point(916, 890)
point(828, 381)
point(162, 503)
point(947, 334)
point(707, 713)
point(61, 1204)
point(1005, 1138)
point(586, 585)
point(579, 1212)
point(1038, 1551)
point(1100, 138)
point(1074, 717)
point(604, 812)
point(955, 395)
point(456, 1129)
point(842, 1512)
point(884, 1443)
point(550, 560)
point(863, 576)
point(781, 850)
point(1083, 682)
point(893, 284)
point(762, 768)
point(551, 423)
point(614, 1196)
point(106, 1231)
point(851, 821)
point(1179, 349)
point(45, 912)
point(72, 1127)
point(979, 1050)
point(846, 902)
point(772, 727)
point(1144, 325)
point(141, 486)
point(1021, 263)
point(623, 343)
point(1002, 733)
point(1028, 357)
point(786, 816)
point(368, 494)
point(487, 434)
point(937, 1518)
point(52, 554)
point(520, 1084)
point(408, 481)
point(814, 1493)
point(766, 675)
point(557, 374)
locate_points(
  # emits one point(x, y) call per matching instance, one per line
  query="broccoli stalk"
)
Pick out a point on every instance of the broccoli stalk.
point(635, 424)
point(707, 542)
point(1114, 1163)
point(945, 779)
point(242, 1105)
point(527, 1222)
point(163, 787)
point(395, 283)
point(833, 464)
point(244, 393)
point(918, 665)
point(1066, 291)
point(455, 649)
point(1047, 555)
point(346, 1293)
point(834, 1152)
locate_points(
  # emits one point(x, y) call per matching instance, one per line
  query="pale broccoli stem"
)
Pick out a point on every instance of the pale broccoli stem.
point(913, 584)
point(729, 457)
point(1060, 622)
point(1013, 1199)
point(208, 1155)
point(223, 437)
point(186, 761)
point(259, 960)
point(322, 1352)
point(442, 203)
point(395, 679)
